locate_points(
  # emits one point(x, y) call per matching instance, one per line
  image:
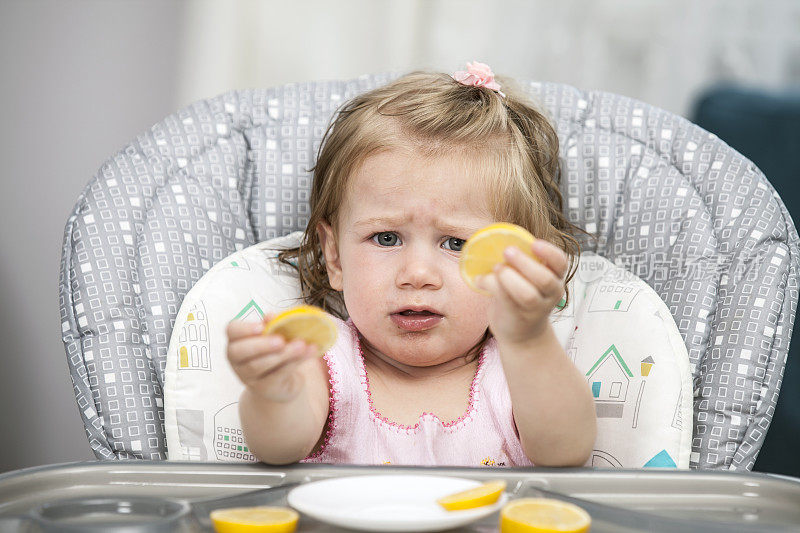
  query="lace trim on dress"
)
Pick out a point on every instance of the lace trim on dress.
point(335, 397)
point(453, 425)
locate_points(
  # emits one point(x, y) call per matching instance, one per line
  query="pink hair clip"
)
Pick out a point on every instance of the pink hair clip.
point(478, 75)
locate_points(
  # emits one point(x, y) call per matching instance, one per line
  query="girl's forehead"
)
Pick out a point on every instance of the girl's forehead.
point(452, 180)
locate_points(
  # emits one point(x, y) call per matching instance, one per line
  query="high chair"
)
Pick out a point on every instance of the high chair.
point(662, 197)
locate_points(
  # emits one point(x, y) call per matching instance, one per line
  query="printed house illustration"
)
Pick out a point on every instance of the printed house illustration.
point(194, 346)
point(609, 378)
point(571, 347)
point(190, 434)
point(603, 459)
point(250, 312)
point(646, 365)
point(229, 442)
point(613, 296)
point(661, 460)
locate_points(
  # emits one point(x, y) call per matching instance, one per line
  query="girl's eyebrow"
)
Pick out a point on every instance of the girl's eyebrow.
point(378, 221)
point(445, 227)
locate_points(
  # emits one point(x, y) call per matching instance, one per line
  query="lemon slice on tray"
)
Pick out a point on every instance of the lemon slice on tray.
point(485, 494)
point(484, 249)
point(305, 322)
point(255, 520)
point(543, 515)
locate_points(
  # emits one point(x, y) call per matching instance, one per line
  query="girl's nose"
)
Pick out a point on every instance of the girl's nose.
point(419, 270)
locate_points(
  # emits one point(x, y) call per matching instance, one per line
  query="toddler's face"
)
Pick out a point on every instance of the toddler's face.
point(401, 225)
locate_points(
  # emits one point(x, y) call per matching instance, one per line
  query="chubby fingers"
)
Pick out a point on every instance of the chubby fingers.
point(520, 271)
point(239, 329)
point(527, 282)
point(265, 364)
point(508, 283)
point(551, 256)
point(247, 347)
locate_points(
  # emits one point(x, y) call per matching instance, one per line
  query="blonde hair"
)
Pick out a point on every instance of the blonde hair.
point(435, 115)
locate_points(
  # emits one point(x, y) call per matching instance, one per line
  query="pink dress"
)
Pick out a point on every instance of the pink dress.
point(358, 434)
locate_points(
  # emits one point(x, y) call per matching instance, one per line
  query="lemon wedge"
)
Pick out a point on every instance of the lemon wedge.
point(543, 515)
point(484, 249)
point(255, 520)
point(485, 494)
point(306, 322)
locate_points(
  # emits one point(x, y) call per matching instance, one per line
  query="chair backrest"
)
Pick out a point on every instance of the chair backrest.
point(762, 125)
point(666, 199)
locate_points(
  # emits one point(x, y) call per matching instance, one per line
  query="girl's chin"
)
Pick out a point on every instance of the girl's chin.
point(409, 351)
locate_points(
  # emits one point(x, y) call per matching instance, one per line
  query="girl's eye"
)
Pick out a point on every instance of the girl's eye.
point(386, 238)
point(455, 244)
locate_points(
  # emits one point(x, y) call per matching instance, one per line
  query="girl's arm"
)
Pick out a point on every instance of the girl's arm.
point(284, 406)
point(553, 405)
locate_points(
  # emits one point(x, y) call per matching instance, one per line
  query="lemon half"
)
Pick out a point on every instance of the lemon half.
point(485, 249)
point(485, 494)
point(543, 515)
point(305, 322)
point(255, 520)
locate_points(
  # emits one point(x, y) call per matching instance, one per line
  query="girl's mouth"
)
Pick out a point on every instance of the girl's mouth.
point(410, 320)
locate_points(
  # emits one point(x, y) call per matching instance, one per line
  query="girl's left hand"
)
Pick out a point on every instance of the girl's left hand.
point(525, 291)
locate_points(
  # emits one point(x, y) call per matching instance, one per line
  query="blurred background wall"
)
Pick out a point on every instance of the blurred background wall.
point(81, 78)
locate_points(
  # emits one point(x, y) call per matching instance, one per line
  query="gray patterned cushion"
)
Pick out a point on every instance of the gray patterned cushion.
point(666, 199)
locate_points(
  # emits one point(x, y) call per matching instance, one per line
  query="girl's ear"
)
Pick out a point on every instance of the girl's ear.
point(333, 265)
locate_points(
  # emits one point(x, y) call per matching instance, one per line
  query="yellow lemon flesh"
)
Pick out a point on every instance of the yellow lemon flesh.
point(485, 249)
point(485, 494)
point(543, 515)
point(306, 322)
point(255, 519)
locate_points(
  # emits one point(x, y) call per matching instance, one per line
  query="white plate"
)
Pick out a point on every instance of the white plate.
point(387, 503)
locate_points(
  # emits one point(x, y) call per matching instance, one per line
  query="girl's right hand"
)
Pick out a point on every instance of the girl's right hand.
point(267, 365)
